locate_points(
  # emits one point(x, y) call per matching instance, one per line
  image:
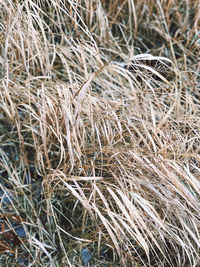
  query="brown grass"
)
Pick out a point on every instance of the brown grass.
point(99, 131)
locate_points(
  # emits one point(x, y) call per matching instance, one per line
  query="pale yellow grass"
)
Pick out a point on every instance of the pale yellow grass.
point(99, 143)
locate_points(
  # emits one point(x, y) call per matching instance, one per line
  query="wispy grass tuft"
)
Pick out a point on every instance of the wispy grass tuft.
point(99, 133)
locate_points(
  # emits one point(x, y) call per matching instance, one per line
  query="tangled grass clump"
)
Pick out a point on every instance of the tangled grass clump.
point(100, 133)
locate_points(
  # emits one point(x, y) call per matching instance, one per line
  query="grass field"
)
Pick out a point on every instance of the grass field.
point(100, 133)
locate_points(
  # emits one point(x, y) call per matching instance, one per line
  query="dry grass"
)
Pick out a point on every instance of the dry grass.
point(100, 132)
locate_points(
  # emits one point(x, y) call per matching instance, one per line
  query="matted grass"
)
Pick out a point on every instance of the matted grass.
point(100, 133)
